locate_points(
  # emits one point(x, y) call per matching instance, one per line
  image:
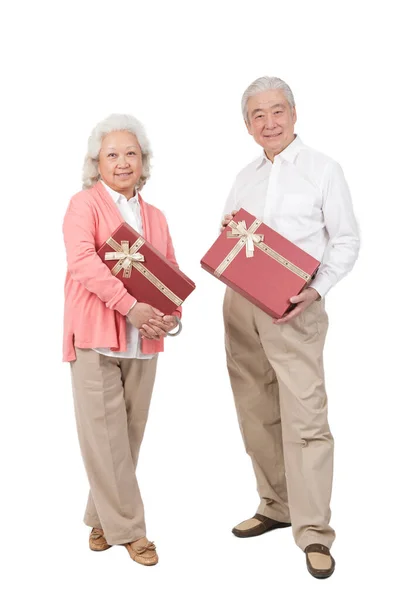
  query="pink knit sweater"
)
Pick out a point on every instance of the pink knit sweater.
point(96, 302)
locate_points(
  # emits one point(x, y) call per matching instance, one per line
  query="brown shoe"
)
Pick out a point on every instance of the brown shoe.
point(320, 563)
point(256, 526)
point(143, 552)
point(97, 541)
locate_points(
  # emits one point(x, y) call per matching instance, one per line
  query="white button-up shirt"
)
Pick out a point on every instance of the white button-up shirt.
point(304, 196)
point(130, 211)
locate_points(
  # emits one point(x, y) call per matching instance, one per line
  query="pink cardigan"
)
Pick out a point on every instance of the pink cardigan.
point(96, 302)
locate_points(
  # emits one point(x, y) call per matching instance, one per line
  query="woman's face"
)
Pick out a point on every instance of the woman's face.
point(120, 162)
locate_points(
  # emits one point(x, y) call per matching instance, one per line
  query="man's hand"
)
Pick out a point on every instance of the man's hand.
point(158, 326)
point(303, 301)
point(227, 219)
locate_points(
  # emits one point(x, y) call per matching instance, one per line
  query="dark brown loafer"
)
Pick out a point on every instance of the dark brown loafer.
point(256, 526)
point(320, 563)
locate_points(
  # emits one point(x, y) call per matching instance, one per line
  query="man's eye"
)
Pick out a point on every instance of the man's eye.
point(259, 117)
point(278, 112)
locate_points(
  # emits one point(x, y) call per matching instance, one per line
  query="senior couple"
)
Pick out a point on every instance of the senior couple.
point(112, 341)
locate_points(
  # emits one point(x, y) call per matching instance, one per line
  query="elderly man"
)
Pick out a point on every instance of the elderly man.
point(275, 366)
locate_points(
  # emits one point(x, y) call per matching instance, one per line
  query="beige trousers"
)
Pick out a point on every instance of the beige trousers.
point(277, 379)
point(112, 398)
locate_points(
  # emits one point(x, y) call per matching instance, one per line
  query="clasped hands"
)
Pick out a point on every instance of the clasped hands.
point(151, 322)
point(302, 300)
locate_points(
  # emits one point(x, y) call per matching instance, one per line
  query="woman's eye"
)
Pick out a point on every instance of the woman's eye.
point(132, 153)
point(111, 155)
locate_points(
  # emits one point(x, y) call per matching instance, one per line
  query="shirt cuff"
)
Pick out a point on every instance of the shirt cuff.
point(125, 305)
point(321, 284)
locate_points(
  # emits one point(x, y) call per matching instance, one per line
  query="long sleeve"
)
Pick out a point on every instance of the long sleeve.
point(230, 203)
point(341, 225)
point(84, 265)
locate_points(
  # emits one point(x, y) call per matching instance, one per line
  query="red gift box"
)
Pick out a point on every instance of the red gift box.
point(144, 271)
point(260, 264)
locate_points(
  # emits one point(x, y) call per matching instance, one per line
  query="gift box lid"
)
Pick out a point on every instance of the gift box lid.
point(276, 271)
point(146, 273)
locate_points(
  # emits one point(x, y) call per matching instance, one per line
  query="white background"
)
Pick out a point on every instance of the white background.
point(181, 67)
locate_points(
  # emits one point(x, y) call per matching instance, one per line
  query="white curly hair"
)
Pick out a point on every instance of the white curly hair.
point(263, 84)
point(115, 122)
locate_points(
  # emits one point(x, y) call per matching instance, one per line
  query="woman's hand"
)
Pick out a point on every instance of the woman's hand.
point(141, 313)
point(159, 327)
point(151, 322)
point(227, 219)
point(170, 322)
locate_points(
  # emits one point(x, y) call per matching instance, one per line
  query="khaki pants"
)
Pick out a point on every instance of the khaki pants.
point(112, 398)
point(277, 379)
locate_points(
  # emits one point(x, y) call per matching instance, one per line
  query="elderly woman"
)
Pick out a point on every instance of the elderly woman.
point(111, 340)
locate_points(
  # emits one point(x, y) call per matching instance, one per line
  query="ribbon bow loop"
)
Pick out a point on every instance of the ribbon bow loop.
point(125, 256)
point(249, 238)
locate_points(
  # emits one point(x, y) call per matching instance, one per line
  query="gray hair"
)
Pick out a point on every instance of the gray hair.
point(115, 122)
point(263, 84)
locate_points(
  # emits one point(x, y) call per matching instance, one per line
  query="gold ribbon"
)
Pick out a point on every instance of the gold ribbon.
point(239, 230)
point(251, 240)
point(125, 256)
point(129, 257)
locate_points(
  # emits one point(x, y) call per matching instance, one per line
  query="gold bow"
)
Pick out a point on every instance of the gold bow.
point(250, 238)
point(125, 256)
point(129, 257)
point(240, 230)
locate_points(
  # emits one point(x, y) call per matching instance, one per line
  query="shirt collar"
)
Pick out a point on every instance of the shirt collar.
point(117, 197)
point(289, 153)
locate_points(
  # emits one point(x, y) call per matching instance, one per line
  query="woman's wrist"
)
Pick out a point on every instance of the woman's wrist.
point(179, 325)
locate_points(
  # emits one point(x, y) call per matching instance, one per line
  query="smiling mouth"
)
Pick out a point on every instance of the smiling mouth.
point(273, 135)
point(124, 174)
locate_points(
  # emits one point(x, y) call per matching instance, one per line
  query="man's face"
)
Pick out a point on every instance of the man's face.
point(271, 120)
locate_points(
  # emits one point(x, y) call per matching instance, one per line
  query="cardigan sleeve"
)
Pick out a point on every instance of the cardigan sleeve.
point(84, 265)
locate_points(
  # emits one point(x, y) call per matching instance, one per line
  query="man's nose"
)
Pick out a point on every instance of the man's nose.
point(269, 122)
